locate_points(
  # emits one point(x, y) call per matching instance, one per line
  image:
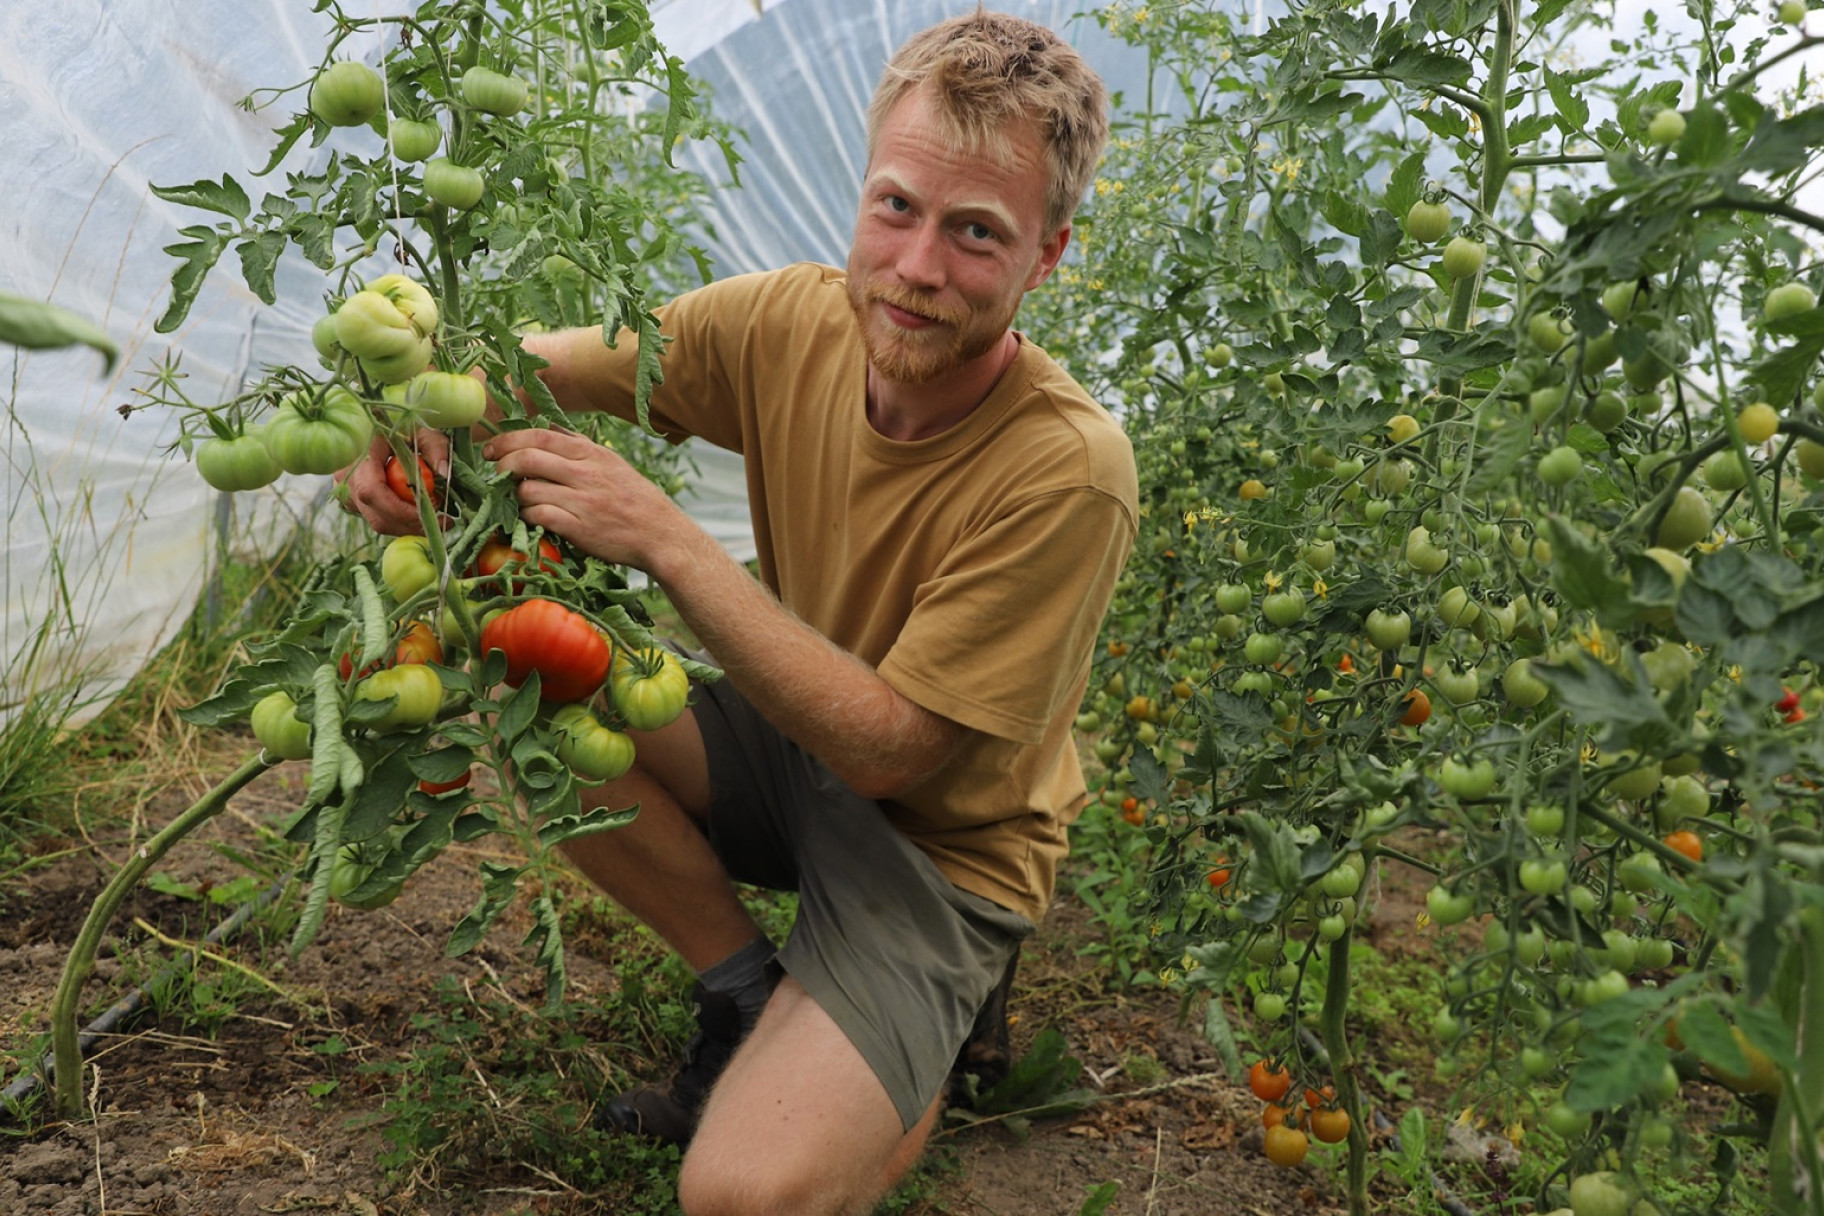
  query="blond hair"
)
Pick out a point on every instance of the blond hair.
point(988, 72)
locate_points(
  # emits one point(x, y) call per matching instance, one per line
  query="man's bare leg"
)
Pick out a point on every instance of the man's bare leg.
point(799, 1125)
point(660, 867)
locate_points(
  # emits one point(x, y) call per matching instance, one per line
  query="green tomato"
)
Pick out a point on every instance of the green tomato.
point(1567, 1121)
point(493, 92)
point(414, 688)
point(1467, 779)
point(1687, 520)
point(1536, 1062)
point(318, 433)
point(649, 687)
point(1638, 872)
point(1269, 1006)
point(1548, 331)
point(1607, 410)
point(441, 400)
point(323, 337)
point(1682, 798)
point(1262, 649)
point(1331, 928)
point(1233, 597)
point(406, 567)
point(1666, 128)
point(1457, 609)
point(1521, 686)
point(1423, 556)
point(1284, 608)
point(241, 463)
point(1446, 1025)
point(1788, 299)
point(412, 139)
point(1529, 947)
point(1341, 882)
point(1724, 471)
point(1545, 820)
point(280, 731)
point(1388, 630)
point(1619, 299)
point(590, 750)
point(347, 94)
point(351, 880)
point(1427, 222)
point(1458, 684)
point(1463, 257)
point(1811, 456)
point(1637, 783)
point(452, 185)
point(1560, 466)
point(1447, 907)
point(1542, 877)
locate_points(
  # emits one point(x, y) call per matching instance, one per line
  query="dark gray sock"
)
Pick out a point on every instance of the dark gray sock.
point(742, 976)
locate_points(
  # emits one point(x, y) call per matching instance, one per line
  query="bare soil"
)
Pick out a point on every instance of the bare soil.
point(271, 1111)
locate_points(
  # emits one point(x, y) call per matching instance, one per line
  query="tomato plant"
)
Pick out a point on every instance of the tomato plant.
point(424, 295)
point(1546, 467)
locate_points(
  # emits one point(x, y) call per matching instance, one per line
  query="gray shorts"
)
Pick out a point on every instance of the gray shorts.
point(898, 955)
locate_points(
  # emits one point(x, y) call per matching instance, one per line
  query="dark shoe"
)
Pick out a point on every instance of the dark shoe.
point(987, 1053)
point(670, 1115)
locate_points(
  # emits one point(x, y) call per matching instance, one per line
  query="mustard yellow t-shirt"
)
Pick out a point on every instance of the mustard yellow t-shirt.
point(972, 569)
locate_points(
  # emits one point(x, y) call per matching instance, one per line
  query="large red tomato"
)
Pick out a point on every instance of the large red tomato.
point(570, 657)
point(496, 554)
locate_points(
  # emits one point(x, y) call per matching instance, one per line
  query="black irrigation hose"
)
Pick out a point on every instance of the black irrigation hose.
point(131, 1003)
point(1446, 1200)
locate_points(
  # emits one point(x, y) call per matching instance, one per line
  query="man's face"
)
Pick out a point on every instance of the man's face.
point(946, 245)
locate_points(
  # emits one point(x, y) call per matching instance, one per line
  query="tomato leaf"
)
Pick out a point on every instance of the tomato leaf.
point(1405, 184)
point(199, 255)
point(1618, 1062)
point(499, 884)
point(546, 937)
point(37, 325)
point(518, 710)
point(554, 832)
point(1573, 110)
point(224, 198)
point(1597, 696)
point(259, 259)
point(389, 779)
point(1583, 575)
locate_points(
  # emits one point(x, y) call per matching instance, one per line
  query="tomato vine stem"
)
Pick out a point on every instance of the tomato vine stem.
point(66, 1048)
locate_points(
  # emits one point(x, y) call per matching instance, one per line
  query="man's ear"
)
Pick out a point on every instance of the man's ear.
point(1049, 255)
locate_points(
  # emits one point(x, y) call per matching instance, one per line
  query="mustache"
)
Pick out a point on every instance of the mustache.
point(913, 302)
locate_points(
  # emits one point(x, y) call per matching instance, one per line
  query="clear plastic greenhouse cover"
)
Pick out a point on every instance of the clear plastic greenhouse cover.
point(108, 540)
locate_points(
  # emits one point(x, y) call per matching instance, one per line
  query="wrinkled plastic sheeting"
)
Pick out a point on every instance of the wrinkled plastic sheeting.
point(107, 536)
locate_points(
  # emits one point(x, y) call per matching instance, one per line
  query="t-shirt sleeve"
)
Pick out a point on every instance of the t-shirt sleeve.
point(1001, 633)
point(709, 335)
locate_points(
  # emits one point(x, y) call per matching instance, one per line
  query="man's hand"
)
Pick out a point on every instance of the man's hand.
point(363, 490)
point(587, 494)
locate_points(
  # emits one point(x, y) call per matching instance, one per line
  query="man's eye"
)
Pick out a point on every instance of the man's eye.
point(980, 232)
point(897, 203)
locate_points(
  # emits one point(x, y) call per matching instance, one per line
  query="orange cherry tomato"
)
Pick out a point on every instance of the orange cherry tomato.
point(1218, 878)
point(1268, 1083)
point(1330, 1125)
point(1275, 1115)
point(1315, 1098)
point(1418, 709)
point(1285, 1146)
point(1687, 842)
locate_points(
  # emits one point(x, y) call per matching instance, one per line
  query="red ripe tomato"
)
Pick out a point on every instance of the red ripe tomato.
point(570, 657)
point(400, 482)
point(497, 554)
point(419, 645)
point(1268, 1083)
point(444, 787)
